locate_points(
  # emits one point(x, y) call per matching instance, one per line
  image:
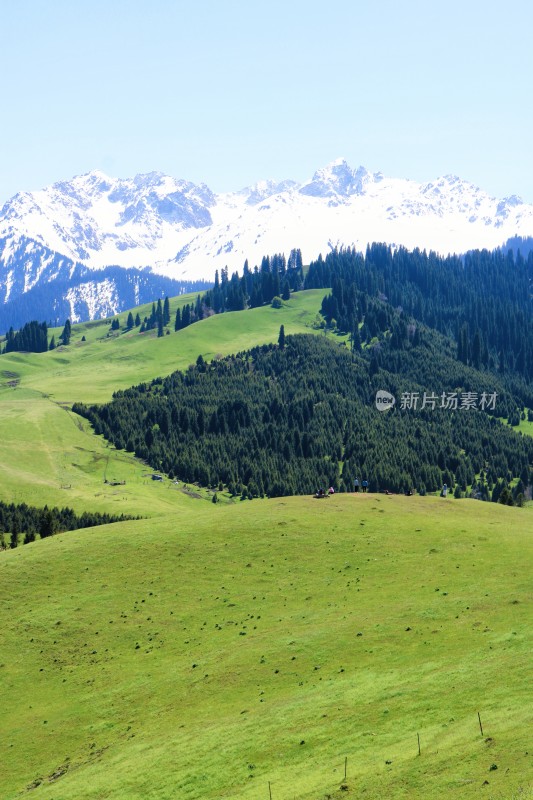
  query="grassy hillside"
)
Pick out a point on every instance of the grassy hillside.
point(210, 652)
point(50, 455)
point(92, 370)
point(207, 650)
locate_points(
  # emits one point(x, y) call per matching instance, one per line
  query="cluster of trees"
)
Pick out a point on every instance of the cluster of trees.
point(501, 491)
point(287, 419)
point(159, 317)
point(21, 524)
point(192, 312)
point(276, 277)
point(31, 338)
point(133, 322)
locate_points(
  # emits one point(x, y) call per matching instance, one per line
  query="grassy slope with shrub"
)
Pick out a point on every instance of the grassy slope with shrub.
point(101, 629)
point(50, 455)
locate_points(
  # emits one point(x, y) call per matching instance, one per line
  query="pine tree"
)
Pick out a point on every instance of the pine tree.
point(356, 340)
point(476, 350)
point(52, 343)
point(281, 337)
point(137, 320)
point(177, 324)
point(166, 312)
point(65, 336)
point(130, 322)
point(48, 524)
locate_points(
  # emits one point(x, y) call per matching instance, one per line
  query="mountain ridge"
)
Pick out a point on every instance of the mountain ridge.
point(184, 231)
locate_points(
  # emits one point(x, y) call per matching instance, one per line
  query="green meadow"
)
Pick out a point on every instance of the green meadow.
point(210, 651)
point(91, 371)
point(49, 455)
point(246, 649)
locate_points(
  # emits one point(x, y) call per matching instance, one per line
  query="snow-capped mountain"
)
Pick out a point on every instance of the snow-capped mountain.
point(186, 232)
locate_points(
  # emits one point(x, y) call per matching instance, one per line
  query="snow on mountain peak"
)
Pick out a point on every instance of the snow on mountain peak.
point(264, 189)
point(82, 187)
point(338, 179)
point(183, 230)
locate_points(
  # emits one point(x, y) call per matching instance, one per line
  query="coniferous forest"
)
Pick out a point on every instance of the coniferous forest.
point(291, 418)
point(268, 422)
point(481, 301)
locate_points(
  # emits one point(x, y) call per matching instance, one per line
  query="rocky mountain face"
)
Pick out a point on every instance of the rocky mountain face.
point(184, 232)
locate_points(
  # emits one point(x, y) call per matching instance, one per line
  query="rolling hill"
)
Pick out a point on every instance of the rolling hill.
point(222, 650)
point(211, 651)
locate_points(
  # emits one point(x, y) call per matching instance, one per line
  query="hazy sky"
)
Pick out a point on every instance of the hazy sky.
point(230, 91)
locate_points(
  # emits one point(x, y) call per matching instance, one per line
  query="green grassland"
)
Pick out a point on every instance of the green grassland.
point(206, 653)
point(206, 650)
point(49, 455)
point(91, 371)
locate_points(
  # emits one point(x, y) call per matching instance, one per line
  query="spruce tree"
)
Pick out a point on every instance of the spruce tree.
point(48, 524)
point(151, 323)
point(65, 336)
point(281, 337)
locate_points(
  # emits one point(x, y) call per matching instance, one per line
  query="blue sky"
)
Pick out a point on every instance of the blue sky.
point(230, 91)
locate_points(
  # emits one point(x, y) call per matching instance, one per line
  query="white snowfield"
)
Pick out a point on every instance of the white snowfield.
point(185, 231)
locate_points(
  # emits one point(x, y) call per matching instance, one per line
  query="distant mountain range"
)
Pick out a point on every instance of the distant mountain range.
point(57, 245)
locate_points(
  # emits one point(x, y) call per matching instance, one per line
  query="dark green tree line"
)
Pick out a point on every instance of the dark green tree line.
point(21, 523)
